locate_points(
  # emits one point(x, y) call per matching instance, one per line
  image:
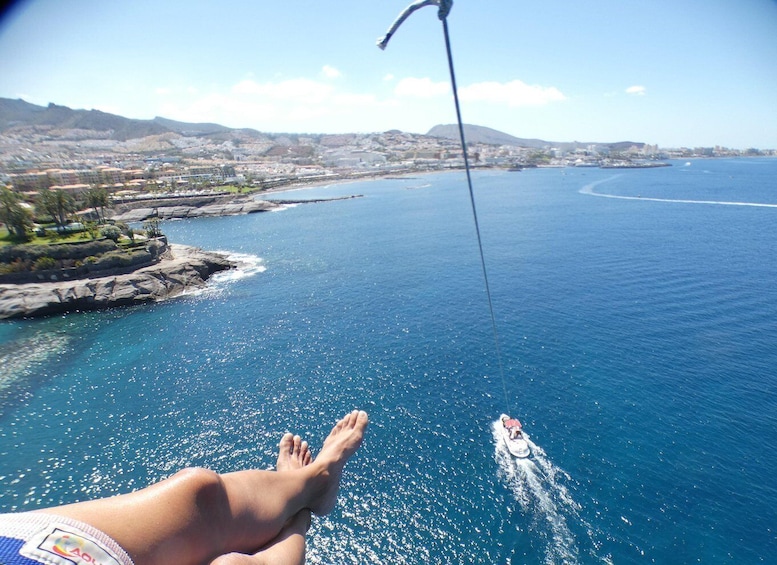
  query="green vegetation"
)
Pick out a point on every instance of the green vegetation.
point(56, 203)
point(97, 198)
point(539, 158)
point(44, 263)
point(50, 218)
point(111, 232)
point(232, 189)
point(152, 227)
point(126, 231)
point(47, 236)
point(16, 217)
point(86, 256)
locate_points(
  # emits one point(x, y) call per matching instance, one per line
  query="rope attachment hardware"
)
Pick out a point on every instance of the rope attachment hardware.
point(442, 13)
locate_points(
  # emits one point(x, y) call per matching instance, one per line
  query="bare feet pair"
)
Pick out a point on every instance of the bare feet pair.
point(321, 480)
point(342, 442)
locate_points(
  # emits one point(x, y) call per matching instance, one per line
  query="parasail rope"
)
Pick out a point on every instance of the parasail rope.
point(444, 10)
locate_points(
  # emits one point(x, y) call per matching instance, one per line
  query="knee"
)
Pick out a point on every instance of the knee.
point(204, 488)
point(198, 478)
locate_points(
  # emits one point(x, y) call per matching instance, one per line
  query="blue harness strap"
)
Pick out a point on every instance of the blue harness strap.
point(9, 552)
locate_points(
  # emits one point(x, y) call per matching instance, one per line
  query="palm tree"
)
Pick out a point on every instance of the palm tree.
point(17, 218)
point(95, 197)
point(57, 204)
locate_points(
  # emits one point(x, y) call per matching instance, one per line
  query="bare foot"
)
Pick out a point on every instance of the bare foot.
point(343, 441)
point(293, 453)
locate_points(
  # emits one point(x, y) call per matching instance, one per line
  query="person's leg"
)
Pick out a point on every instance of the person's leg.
point(198, 515)
point(289, 547)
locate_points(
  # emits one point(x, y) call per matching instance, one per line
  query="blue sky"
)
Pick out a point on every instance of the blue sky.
point(674, 73)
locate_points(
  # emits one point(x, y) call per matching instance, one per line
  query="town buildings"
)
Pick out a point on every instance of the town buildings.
point(36, 158)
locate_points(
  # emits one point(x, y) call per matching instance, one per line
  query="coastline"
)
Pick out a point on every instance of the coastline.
point(182, 269)
point(185, 207)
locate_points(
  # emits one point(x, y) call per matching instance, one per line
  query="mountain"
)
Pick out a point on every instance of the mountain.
point(18, 113)
point(480, 134)
point(185, 128)
point(21, 113)
point(15, 113)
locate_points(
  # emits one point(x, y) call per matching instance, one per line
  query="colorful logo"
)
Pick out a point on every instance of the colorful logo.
point(68, 546)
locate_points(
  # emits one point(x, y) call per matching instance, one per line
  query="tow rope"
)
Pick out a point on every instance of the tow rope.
point(443, 11)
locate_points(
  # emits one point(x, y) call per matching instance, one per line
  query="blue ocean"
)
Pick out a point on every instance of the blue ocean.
point(636, 313)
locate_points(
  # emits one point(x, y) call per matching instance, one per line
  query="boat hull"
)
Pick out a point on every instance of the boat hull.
point(518, 447)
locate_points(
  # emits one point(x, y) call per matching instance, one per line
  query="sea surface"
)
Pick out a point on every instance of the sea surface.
point(636, 313)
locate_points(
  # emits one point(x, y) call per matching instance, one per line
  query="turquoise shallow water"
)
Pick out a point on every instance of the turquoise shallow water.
point(638, 341)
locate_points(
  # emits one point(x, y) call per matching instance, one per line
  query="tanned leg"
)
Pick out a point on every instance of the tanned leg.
point(197, 515)
point(289, 547)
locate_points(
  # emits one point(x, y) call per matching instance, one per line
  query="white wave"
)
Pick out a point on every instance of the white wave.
point(283, 207)
point(589, 190)
point(538, 486)
point(247, 266)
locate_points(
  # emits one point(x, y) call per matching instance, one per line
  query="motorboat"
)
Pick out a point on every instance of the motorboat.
point(513, 436)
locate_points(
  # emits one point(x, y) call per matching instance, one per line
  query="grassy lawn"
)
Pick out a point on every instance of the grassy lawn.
point(239, 190)
point(5, 239)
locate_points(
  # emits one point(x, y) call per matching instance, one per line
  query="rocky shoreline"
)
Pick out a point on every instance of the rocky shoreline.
point(192, 207)
point(182, 269)
point(203, 206)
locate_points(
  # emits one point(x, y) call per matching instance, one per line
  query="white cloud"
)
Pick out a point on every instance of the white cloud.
point(298, 104)
point(300, 89)
point(163, 90)
point(322, 104)
point(637, 90)
point(347, 99)
point(220, 108)
point(421, 88)
point(514, 93)
point(330, 72)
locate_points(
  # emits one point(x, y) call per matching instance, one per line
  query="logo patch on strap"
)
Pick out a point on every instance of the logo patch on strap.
point(58, 544)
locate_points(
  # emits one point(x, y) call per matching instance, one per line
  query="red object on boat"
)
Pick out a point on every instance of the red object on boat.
point(512, 423)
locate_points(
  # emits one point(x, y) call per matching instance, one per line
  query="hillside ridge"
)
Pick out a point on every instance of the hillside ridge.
point(19, 113)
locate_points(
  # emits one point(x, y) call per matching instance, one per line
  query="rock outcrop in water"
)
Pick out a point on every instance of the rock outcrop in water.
point(169, 209)
point(182, 269)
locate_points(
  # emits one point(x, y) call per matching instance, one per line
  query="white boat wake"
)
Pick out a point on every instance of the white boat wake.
point(589, 190)
point(539, 487)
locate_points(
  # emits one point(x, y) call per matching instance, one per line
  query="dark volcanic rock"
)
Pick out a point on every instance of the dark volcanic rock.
point(186, 269)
